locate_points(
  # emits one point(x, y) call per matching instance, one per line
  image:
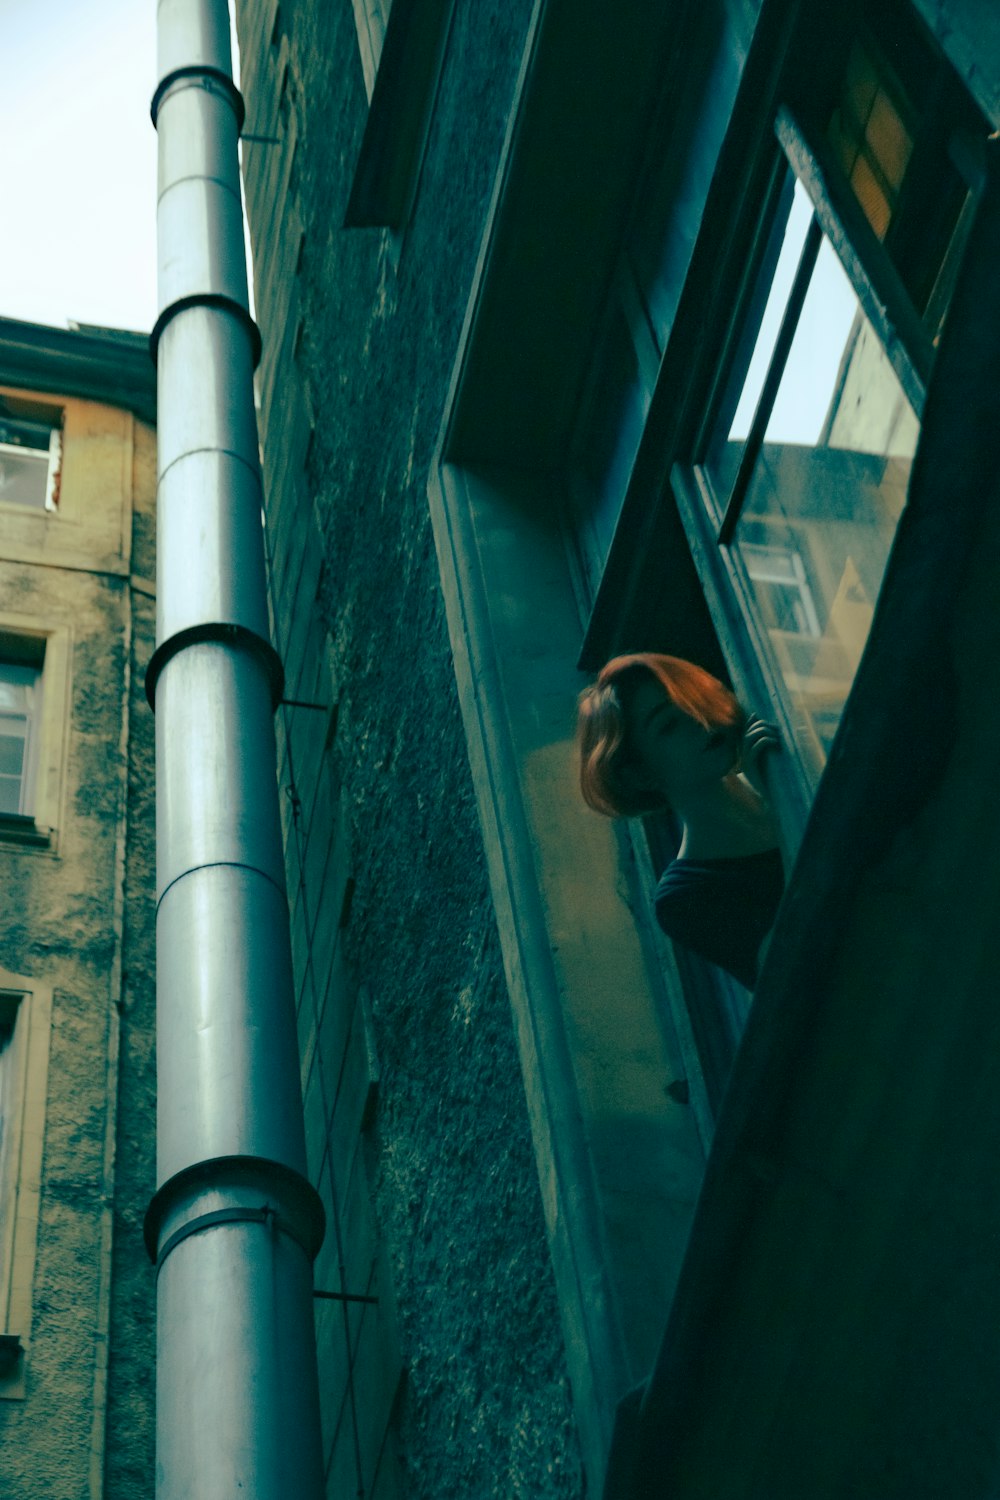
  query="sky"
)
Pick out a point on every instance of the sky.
point(811, 373)
point(78, 237)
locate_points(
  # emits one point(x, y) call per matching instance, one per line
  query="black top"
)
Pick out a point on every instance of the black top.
point(722, 909)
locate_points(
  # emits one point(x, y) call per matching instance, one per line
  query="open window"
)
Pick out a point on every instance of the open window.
point(30, 453)
point(795, 240)
point(803, 462)
point(20, 725)
point(25, 1020)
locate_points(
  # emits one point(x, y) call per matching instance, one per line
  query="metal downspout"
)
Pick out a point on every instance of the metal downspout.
point(234, 1224)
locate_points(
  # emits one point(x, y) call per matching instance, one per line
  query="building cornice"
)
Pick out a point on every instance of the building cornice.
point(96, 364)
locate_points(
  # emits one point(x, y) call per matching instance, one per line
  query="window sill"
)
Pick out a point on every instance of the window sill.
point(11, 1351)
point(24, 831)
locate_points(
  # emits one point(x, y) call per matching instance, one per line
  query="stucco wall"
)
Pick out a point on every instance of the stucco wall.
point(62, 919)
point(393, 915)
point(129, 1435)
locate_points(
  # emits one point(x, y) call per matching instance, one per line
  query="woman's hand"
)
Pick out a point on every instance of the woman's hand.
point(758, 738)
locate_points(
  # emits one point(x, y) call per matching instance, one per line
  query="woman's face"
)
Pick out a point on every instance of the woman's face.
point(678, 755)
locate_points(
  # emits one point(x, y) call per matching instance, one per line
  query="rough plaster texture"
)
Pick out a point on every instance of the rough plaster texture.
point(484, 1408)
point(129, 1455)
point(61, 923)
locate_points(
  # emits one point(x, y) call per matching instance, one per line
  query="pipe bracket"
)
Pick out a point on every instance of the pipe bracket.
point(243, 1215)
point(211, 76)
point(207, 299)
point(227, 634)
point(297, 1209)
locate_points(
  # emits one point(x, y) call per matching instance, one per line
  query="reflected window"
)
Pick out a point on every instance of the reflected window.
point(810, 437)
point(871, 141)
point(813, 467)
point(779, 579)
point(899, 145)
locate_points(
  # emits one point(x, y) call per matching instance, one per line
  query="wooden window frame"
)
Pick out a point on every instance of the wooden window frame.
point(38, 414)
point(25, 640)
point(26, 1006)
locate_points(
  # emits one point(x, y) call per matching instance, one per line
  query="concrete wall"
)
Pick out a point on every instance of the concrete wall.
point(415, 1112)
point(76, 919)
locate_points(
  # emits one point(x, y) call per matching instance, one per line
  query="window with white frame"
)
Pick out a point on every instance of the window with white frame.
point(20, 717)
point(30, 454)
point(34, 673)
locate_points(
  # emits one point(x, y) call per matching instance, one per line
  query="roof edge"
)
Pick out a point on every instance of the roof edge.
point(99, 364)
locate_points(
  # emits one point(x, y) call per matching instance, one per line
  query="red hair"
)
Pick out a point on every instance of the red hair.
point(607, 768)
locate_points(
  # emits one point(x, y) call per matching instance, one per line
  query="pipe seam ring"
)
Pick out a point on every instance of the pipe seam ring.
point(221, 303)
point(220, 864)
point(216, 451)
point(210, 75)
point(224, 633)
point(244, 1215)
point(297, 1210)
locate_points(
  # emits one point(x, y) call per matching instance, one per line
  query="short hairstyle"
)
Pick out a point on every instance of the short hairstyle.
point(608, 768)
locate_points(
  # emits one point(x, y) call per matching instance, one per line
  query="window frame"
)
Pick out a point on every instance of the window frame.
point(711, 524)
point(667, 509)
point(53, 418)
point(26, 1006)
point(24, 641)
point(28, 776)
point(673, 442)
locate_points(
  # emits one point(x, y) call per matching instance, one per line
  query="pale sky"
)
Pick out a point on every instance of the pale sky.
point(79, 154)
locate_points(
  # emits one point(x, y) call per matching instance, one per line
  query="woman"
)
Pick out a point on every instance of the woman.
point(657, 734)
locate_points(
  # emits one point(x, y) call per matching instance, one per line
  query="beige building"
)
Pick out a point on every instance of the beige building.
point(77, 495)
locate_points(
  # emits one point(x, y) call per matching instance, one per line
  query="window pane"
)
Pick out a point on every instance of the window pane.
point(10, 794)
point(824, 500)
point(23, 476)
point(19, 704)
point(11, 751)
point(872, 144)
point(18, 684)
point(770, 302)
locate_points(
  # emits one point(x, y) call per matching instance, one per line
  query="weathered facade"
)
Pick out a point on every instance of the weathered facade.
point(590, 328)
point(77, 498)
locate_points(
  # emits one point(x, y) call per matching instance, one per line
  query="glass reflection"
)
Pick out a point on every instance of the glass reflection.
point(763, 325)
point(23, 476)
point(823, 502)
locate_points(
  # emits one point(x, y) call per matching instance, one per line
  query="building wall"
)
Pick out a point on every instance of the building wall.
point(76, 919)
point(633, 183)
point(415, 1109)
point(130, 1428)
